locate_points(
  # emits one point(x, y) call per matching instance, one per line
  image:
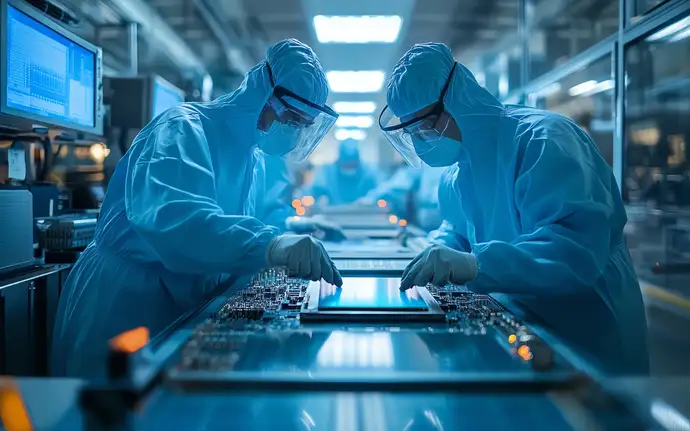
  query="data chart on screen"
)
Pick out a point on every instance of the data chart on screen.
point(47, 74)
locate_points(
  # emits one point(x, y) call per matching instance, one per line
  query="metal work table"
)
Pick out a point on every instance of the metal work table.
point(53, 405)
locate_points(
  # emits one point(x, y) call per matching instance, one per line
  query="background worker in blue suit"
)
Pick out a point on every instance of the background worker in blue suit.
point(277, 196)
point(180, 213)
point(413, 195)
point(534, 209)
point(346, 180)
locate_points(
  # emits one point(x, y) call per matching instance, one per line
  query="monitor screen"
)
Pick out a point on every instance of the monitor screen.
point(165, 97)
point(47, 74)
point(370, 294)
point(98, 192)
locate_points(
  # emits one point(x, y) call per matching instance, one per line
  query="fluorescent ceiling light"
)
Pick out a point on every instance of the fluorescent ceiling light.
point(680, 36)
point(354, 107)
point(600, 87)
point(357, 29)
point(670, 30)
point(356, 134)
point(359, 121)
point(668, 416)
point(360, 81)
point(582, 88)
point(591, 87)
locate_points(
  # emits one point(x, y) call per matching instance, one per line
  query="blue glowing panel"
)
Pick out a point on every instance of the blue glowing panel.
point(47, 74)
point(369, 294)
point(164, 98)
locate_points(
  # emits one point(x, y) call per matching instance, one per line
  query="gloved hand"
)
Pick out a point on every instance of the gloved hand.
point(304, 257)
point(439, 265)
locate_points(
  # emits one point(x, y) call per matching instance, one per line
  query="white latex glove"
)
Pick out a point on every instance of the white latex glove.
point(439, 265)
point(304, 257)
point(330, 231)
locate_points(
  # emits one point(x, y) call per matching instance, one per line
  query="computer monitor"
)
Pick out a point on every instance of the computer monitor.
point(48, 74)
point(135, 101)
point(165, 96)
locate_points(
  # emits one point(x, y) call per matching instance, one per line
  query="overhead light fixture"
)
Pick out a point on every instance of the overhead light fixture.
point(357, 29)
point(358, 121)
point(681, 35)
point(671, 31)
point(357, 81)
point(582, 88)
point(668, 416)
point(356, 134)
point(599, 87)
point(354, 107)
point(591, 87)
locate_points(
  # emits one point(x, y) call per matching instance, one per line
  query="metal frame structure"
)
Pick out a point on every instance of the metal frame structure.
point(615, 46)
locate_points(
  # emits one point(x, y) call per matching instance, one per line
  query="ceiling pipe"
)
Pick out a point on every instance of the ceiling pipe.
point(161, 35)
point(237, 58)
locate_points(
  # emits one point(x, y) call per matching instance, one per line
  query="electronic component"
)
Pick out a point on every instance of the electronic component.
point(277, 316)
point(369, 300)
point(66, 232)
point(49, 74)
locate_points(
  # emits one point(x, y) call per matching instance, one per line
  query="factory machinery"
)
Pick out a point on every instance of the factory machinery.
point(306, 355)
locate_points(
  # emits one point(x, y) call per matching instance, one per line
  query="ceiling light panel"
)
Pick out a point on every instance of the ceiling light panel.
point(359, 121)
point(356, 134)
point(357, 29)
point(355, 81)
point(354, 107)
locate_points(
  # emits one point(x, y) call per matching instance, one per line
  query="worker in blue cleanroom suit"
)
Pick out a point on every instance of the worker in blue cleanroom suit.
point(534, 210)
point(346, 180)
point(277, 207)
point(181, 210)
point(420, 185)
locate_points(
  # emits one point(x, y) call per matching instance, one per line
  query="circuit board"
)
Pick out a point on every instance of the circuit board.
point(253, 324)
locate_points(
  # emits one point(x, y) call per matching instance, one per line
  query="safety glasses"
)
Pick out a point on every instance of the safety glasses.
point(417, 135)
point(312, 121)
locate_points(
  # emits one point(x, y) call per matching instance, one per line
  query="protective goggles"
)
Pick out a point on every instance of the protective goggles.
point(311, 121)
point(417, 135)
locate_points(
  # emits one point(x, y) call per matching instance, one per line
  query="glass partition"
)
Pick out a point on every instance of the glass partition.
point(657, 168)
point(644, 6)
point(558, 30)
point(586, 96)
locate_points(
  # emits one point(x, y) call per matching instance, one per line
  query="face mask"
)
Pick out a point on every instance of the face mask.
point(279, 140)
point(442, 152)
